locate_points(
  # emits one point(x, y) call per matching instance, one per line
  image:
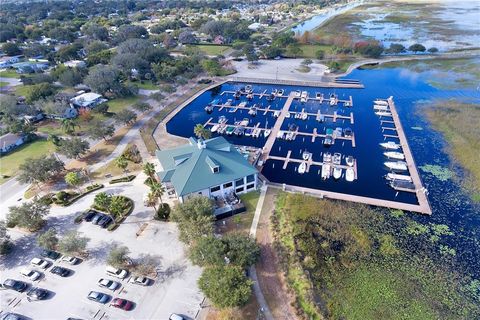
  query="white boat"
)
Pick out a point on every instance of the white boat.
point(242, 104)
point(214, 128)
point(326, 169)
point(287, 115)
point(350, 161)
point(349, 175)
point(390, 145)
point(297, 93)
point(306, 155)
point(394, 176)
point(276, 114)
point(222, 119)
point(337, 173)
point(245, 122)
point(252, 111)
point(333, 101)
point(396, 165)
point(302, 168)
point(280, 93)
point(249, 96)
point(280, 134)
point(383, 113)
point(380, 107)
point(248, 88)
point(337, 158)
point(319, 96)
point(267, 132)
point(347, 104)
point(381, 102)
point(229, 102)
point(298, 115)
point(327, 157)
point(304, 116)
point(304, 96)
point(394, 155)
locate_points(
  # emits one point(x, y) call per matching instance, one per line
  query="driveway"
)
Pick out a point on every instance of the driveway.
point(174, 289)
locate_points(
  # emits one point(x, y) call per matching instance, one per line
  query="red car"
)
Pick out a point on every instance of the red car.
point(122, 304)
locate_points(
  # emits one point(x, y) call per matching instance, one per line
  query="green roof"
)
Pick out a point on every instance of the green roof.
point(190, 168)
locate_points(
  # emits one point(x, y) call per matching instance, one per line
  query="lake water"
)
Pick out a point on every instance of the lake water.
point(449, 203)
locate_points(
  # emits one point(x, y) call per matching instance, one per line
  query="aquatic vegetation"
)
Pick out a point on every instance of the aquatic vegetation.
point(350, 261)
point(441, 173)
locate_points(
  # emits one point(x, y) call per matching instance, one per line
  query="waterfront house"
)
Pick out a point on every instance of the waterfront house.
point(212, 168)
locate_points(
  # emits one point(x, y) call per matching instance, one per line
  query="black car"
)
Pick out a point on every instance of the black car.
point(105, 221)
point(37, 294)
point(97, 218)
point(60, 271)
point(50, 254)
point(89, 215)
point(16, 285)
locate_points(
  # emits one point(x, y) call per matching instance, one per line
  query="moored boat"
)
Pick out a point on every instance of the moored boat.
point(214, 128)
point(390, 145)
point(209, 108)
point(327, 157)
point(349, 174)
point(396, 165)
point(395, 176)
point(319, 96)
point(394, 155)
point(298, 93)
point(302, 167)
point(337, 173)
point(280, 92)
point(383, 113)
point(306, 155)
point(326, 171)
point(267, 132)
point(381, 102)
point(350, 161)
point(337, 158)
point(230, 129)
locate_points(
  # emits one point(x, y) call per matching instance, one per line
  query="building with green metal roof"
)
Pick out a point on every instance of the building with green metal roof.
point(212, 168)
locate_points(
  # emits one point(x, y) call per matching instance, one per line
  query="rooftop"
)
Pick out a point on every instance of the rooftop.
point(202, 164)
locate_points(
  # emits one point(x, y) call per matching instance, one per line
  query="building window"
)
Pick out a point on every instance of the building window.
point(250, 178)
point(227, 185)
point(216, 169)
point(250, 186)
point(239, 182)
point(238, 190)
point(215, 189)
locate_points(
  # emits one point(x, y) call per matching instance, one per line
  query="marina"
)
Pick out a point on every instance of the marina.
point(283, 122)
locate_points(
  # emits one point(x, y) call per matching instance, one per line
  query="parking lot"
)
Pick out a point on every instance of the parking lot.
point(174, 289)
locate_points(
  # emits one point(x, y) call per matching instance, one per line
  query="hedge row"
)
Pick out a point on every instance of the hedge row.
point(124, 179)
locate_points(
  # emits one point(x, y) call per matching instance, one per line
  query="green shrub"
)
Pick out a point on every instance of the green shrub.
point(124, 179)
point(11, 224)
point(94, 187)
point(61, 196)
point(46, 199)
point(163, 212)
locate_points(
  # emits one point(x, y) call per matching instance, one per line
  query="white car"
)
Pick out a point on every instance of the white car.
point(37, 262)
point(118, 273)
point(143, 281)
point(109, 284)
point(70, 260)
point(175, 316)
point(30, 274)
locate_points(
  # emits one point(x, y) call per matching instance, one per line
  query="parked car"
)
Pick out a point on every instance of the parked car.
point(105, 221)
point(30, 274)
point(70, 260)
point(89, 215)
point(115, 272)
point(40, 263)
point(122, 304)
point(60, 271)
point(37, 294)
point(175, 316)
point(16, 285)
point(143, 281)
point(97, 218)
point(99, 297)
point(11, 316)
point(50, 254)
point(109, 284)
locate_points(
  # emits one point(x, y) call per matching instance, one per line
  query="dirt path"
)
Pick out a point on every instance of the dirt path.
point(269, 274)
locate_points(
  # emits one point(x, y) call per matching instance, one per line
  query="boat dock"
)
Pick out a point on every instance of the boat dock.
point(420, 191)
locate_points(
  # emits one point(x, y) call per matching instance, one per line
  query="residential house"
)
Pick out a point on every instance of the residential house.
point(87, 100)
point(75, 64)
point(212, 168)
point(10, 141)
point(7, 61)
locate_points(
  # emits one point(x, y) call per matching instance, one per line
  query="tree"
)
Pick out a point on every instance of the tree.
point(126, 116)
point(187, 37)
point(271, 52)
point(433, 50)
point(73, 243)
point(99, 130)
point(128, 62)
point(117, 206)
point(102, 200)
point(5, 243)
point(106, 80)
point(73, 179)
point(201, 132)
point(195, 218)
point(73, 148)
point(48, 240)
point(333, 66)
point(142, 106)
point(371, 49)
point(28, 215)
point(146, 265)
point(11, 49)
point(149, 169)
point(320, 54)
point(71, 77)
point(242, 250)
point(294, 50)
point(53, 108)
point(122, 163)
point(225, 287)
point(38, 91)
point(212, 67)
point(39, 170)
point(151, 200)
point(129, 31)
point(307, 62)
point(396, 48)
point(157, 189)
point(417, 48)
point(208, 251)
point(252, 57)
point(118, 256)
point(68, 125)
point(95, 31)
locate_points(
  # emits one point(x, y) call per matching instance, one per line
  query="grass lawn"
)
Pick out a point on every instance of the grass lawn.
point(9, 164)
point(145, 85)
point(120, 104)
point(212, 50)
point(9, 74)
point(3, 84)
point(115, 171)
point(21, 90)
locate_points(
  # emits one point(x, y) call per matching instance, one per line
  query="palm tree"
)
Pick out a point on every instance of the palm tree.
point(149, 169)
point(151, 201)
point(158, 190)
point(201, 132)
point(103, 200)
point(68, 125)
point(122, 163)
